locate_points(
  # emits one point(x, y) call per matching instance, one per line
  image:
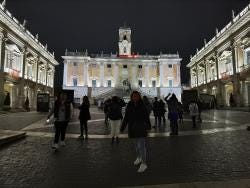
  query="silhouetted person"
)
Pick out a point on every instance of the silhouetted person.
point(137, 119)
point(231, 100)
point(7, 100)
point(147, 104)
point(172, 113)
point(105, 109)
point(62, 114)
point(156, 111)
point(194, 112)
point(27, 104)
point(84, 116)
point(180, 112)
point(161, 111)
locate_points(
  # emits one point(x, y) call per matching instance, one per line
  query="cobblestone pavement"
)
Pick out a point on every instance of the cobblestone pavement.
point(217, 150)
point(97, 163)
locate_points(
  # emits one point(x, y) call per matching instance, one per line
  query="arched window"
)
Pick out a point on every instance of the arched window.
point(125, 37)
point(124, 50)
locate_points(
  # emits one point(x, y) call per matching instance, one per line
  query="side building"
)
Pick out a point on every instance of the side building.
point(26, 66)
point(222, 66)
point(104, 75)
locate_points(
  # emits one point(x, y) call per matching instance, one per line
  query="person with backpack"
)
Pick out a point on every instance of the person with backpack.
point(84, 116)
point(115, 115)
point(193, 110)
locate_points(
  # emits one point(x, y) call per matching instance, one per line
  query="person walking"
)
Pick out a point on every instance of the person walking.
point(180, 112)
point(137, 119)
point(172, 113)
point(161, 112)
point(84, 116)
point(115, 116)
point(156, 111)
point(193, 110)
point(62, 111)
point(148, 105)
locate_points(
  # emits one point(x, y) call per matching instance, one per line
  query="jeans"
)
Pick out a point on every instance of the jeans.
point(60, 127)
point(140, 147)
point(85, 124)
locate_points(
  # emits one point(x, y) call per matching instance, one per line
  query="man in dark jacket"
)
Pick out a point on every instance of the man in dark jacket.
point(137, 119)
point(156, 111)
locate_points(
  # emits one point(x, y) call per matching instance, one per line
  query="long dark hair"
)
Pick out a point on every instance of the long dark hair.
point(85, 100)
point(137, 93)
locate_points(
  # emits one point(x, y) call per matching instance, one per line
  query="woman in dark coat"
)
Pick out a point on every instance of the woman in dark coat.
point(137, 119)
point(84, 116)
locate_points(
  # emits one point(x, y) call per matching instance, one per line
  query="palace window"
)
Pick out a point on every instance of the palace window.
point(108, 65)
point(170, 83)
point(140, 66)
point(140, 83)
point(248, 57)
point(170, 66)
point(109, 83)
point(124, 50)
point(74, 81)
point(153, 83)
point(93, 83)
point(75, 64)
point(125, 66)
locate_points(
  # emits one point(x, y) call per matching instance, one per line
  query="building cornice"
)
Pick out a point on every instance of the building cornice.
point(233, 26)
point(18, 29)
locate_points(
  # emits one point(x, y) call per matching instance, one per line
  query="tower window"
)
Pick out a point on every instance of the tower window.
point(93, 83)
point(109, 83)
point(170, 66)
point(140, 83)
point(140, 66)
point(108, 65)
point(153, 83)
point(124, 50)
point(75, 64)
point(125, 66)
point(125, 37)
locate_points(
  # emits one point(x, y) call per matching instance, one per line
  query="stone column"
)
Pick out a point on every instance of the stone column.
point(197, 75)
point(205, 70)
point(36, 86)
point(243, 93)
point(2, 59)
point(147, 75)
point(85, 73)
point(178, 74)
point(134, 76)
point(21, 94)
point(65, 72)
point(116, 74)
point(236, 80)
point(46, 76)
point(161, 74)
point(101, 74)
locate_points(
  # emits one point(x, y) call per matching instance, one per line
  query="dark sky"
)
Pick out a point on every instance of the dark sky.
point(157, 25)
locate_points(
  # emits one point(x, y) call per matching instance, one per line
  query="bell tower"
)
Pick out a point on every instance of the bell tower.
point(124, 41)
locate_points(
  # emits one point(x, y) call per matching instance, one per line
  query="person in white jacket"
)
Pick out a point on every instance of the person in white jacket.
point(194, 111)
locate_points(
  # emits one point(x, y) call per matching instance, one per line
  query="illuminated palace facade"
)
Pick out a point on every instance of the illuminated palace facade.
point(222, 66)
point(104, 75)
point(26, 66)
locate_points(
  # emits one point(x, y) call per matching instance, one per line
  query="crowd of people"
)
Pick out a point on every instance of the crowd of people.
point(136, 118)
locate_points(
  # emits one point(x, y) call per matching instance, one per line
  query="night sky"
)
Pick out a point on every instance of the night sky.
point(157, 25)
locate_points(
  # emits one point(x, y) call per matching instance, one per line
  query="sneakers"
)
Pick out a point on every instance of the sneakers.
point(112, 140)
point(137, 161)
point(55, 146)
point(117, 140)
point(62, 143)
point(142, 168)
point(81, 137)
